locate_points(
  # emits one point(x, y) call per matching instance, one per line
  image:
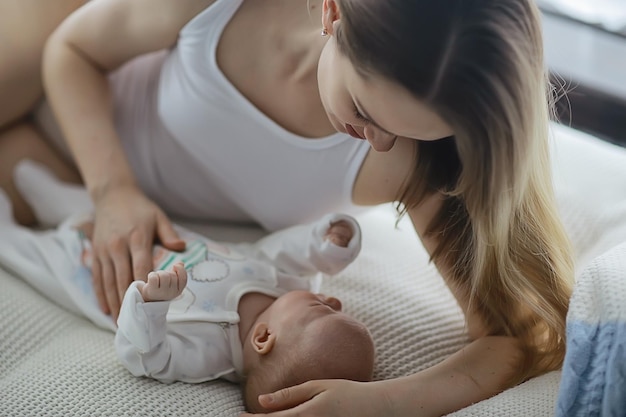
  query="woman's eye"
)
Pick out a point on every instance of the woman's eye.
point(359, 116)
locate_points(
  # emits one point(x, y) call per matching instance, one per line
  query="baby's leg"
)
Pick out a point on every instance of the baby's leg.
point(51, 199)
point(23, 141)
point(6, 210)
point(47, 260)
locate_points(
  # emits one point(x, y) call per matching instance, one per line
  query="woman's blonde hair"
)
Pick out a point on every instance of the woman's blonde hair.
point(479, 65)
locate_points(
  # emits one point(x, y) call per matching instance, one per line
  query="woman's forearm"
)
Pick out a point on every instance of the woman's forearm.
point(79, 95)
point(480, 370)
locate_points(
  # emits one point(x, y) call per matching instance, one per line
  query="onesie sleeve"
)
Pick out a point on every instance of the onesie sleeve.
point(149, 346)
point(302, 250)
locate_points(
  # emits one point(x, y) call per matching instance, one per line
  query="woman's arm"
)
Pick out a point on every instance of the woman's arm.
point(90, 43)
point(380, 180)
point(476, 372)
point(96, 39)
point(420, 217)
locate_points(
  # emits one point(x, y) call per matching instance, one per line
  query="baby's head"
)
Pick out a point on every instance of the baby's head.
point(304, 336)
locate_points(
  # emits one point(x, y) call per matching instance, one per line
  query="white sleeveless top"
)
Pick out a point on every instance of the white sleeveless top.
point(202, 151)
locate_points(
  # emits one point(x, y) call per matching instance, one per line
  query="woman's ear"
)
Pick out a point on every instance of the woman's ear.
point(330, 14)
point(262, 339)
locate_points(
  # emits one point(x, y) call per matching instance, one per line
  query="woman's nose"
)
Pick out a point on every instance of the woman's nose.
point(374, 134)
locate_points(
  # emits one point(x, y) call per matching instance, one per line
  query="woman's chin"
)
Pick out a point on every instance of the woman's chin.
point(382, 146)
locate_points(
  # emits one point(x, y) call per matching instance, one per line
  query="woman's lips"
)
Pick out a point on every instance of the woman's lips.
point(350, 130)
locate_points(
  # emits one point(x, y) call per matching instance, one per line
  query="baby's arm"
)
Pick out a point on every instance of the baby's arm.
point(327, 245)
point(148, 345)
point(340, 245)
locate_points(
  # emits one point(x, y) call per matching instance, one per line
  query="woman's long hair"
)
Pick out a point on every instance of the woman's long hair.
point(479, 65)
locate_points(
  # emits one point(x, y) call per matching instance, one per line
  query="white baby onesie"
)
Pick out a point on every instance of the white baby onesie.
point(195, 337)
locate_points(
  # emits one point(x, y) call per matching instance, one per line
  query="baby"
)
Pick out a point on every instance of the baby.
point(246, 313)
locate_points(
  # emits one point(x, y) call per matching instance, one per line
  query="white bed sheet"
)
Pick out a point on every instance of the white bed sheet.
point(54, 363)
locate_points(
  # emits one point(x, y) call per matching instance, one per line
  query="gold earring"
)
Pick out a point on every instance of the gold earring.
point(324, 32)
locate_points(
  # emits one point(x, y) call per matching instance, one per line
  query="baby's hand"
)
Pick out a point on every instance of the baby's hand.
point(339, 233)
point(165, 285)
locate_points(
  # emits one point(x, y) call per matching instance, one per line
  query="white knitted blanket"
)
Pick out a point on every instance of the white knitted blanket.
point(56, 364)
point(593, 381)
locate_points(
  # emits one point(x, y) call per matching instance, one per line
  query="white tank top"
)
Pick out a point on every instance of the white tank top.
point(192, 137)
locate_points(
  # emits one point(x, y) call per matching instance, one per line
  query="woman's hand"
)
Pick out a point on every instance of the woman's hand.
point(126, 225)
point(328, 398)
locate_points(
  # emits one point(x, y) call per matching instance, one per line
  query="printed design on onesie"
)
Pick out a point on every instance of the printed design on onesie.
point(83, 281)
point(182, 303)
point(223, 251)
point(195, 252)
point(211, 270)
point(204, 265)
point(82, 278)
point(197, 260)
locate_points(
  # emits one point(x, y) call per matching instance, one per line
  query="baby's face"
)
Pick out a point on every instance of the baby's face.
point(313, 325)
point(298, 310)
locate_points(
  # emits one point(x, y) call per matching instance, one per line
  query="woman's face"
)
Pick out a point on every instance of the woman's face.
point(372, 108)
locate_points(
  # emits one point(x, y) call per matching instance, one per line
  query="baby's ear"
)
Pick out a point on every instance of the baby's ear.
point(262, 339)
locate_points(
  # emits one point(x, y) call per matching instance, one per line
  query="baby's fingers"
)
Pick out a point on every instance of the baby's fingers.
point(154, 280)
point(340, 233)
point(162, 286)
point(153, 290)
point(181, 275)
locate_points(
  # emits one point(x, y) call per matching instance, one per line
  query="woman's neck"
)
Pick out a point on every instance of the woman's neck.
point(294, 29)
point(250, 307)
point(284, 53)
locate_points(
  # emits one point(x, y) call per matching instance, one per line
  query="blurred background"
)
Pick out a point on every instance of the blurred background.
point(585, 47)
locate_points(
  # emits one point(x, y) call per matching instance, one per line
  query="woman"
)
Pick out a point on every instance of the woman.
point(229, 108)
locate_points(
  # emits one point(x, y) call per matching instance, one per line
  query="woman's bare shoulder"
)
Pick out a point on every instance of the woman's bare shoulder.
point(110, 32)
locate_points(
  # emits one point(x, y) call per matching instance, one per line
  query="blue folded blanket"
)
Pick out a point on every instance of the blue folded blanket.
point(593, 381)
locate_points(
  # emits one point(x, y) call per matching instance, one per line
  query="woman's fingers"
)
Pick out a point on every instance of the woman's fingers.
point(288, 401)
point(110, 285)
point(141, 255)
point(289, 397)
point(112, 274)
point(167, 235)
point(123, 272)
point(98, 286)
point(125, 228)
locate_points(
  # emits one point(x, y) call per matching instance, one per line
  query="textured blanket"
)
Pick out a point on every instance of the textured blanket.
point(54, 363)
point(594, 372)
point(591, 187)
